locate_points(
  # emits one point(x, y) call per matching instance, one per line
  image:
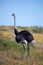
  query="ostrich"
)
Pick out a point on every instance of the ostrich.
point(23, 37)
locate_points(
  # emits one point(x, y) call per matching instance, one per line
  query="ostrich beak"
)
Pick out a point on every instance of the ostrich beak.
point(33, 42)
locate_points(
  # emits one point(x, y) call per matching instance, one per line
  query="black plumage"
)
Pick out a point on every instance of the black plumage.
point(24, 35)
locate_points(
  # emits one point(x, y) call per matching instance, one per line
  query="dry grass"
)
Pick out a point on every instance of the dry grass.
point(38, 37)
point(12, 57)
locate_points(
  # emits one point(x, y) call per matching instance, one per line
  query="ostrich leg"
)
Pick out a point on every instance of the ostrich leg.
point(28, 48)
point(23, 53)
point(23, 47)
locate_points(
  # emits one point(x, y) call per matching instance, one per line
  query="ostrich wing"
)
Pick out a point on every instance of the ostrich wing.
point(27, 35)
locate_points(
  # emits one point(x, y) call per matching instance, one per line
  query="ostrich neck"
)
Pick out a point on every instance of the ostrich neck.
point(14, 21)
point(15, 28)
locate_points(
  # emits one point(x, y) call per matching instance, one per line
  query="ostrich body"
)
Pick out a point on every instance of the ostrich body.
point(23, 37)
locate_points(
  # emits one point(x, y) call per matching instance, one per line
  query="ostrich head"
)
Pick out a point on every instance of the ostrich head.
point(13, 14)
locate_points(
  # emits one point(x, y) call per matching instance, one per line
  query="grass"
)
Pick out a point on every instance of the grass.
point(10, 44)
point(12, 54)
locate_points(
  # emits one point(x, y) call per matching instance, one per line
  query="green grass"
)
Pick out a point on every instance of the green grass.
point(10, 44)
point(12, 54)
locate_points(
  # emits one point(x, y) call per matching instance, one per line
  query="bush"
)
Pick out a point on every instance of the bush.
point(37, 29)
point(6, 44)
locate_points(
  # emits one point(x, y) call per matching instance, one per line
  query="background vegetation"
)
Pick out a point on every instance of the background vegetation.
point(11, 53)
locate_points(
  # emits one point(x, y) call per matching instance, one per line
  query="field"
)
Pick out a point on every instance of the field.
point(11, 53)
